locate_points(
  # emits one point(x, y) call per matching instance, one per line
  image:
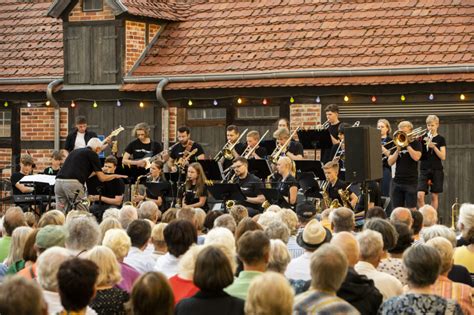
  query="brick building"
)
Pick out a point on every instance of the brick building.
point(213, 63)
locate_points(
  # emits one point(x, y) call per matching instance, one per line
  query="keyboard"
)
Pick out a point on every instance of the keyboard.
point(31, 198)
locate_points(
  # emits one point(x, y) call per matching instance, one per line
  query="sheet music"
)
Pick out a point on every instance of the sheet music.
point(39, 178)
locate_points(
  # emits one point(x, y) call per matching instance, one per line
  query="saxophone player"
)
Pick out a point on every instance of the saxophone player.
point(331, 171)
point(156, 176)
point(287, 185)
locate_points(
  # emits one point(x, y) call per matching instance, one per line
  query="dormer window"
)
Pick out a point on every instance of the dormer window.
point(92, 5)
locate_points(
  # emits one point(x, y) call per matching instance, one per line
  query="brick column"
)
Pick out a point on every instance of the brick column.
point(307, 116)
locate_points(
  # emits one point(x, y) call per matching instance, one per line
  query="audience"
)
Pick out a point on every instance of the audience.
point(402, 215)
point(223, 239)
point(52, 217)
point(182, 283)
point(139, 232)
point(158, 240)
point(226, 221)
point(238, 212)
point(19, 296)
point(247, 224)
point(151, 295)
point(342, 219)
point(277, 230)
point(82, 234)
point(430, 215)
point(417, 224)
point(375, 212)
point(148, 210)
point(464, 255)
point(127, 215)
point(107, 224)
point(12, 219)
point(14, 260)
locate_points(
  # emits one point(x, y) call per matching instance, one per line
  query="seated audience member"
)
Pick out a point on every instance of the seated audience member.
point(312, 237)
point(262, 292)
point(82, 234)
point(375, 212)
point(402, 215)
point(29, 255)
point(356, 289)
point(223, 239)
point(211, 216)
point(14, 260)
point(458, 273)
point(108, 224)
point(386, 229)
point(226, 221)
point(19, 296)
point(278, 230)
point(253, 249)
point(423, 265)
point(149, 210)
point(212, 274)
point(31, 219)
point(200, 216)
point(109, 299)
point(158, 240)
point(430, 215)
point(342, 219)
point(238, 212)
point(169, 215)
point(151, 295)
point(77, 284)
point(290, 218)
point(139, 232)
point(182, 283)
point(328, 270)
point(371, 252)
point(245, 225)
point(268, 217)
point(12, 219)
point(127, 215)
point(111, 213)
point(464, 255)
point(393, 264)
point(119, 242)
point(463, 294)
point(417, 224)
point(52, 217)
point(179, 236)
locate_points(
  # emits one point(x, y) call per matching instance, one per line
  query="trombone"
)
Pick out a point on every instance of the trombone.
point(249, 151)
point(281, 149)
point(402, 139)
point(324, 125)
point(226, 151)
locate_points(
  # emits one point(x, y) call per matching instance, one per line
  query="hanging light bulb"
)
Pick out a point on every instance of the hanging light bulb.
point(141, 104)
point(5, 104)
point(95, 105)
point(28, 104)
point(73, 104)
point(318, 99)
point(264, 102)
point(215, 103)
point(119, 103)
point(403, 98)
point(431, 97)
point(373, 99)
point(346, 98)
point(462, 97)
point(190, 103)
point(292, 100)
point(48, 103)
point(239, 100)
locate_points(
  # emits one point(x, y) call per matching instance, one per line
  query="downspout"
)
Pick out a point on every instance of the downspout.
point(166, 114)
point(57, 121)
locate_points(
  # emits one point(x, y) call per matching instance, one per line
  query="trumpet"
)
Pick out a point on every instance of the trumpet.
point(324, 125)
point(249, 151)
point(455, 213)
point(282, 149)
point(226, 151)
point(428, 140)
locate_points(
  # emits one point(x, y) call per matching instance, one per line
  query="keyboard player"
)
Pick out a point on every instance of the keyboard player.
point(26, 167)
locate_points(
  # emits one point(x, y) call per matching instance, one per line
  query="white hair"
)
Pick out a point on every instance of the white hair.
point(279, 256)
point(268, 217)
point(111, 213)
point(370, 244)
point(223, 239)
point(83, 233)
point(466, 215)
point(438, 230)
point(118, 241)
point(430, 216)
point(127, 215)
point(94, 143)
point(48, 265)
point(188, 262)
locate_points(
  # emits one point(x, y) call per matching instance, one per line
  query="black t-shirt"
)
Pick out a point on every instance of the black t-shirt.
point(160, 179)
point(429, 159)
point(387, 146)
point(177, 151)
point(333, 190)
point(191, 196)
point(15, 178)
point(326, 153)
point(406, 172)
point(334, 130)
point(261, 152)
point(50, 171)
point(109, 189)
point(139, 150)
point(80, 164)
point(296, 148)
point(250, 187)
point(283, 188)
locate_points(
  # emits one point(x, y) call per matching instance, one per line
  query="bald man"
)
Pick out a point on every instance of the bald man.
point(356, 289)
point(430, 215)
point(402, 215)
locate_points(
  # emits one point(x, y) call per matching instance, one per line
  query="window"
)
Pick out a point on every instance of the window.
point(91, 5)
point(206, 113)
point(260, 112)
point(5, 123)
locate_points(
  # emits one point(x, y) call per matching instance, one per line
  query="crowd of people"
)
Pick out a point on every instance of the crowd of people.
point(187, 261)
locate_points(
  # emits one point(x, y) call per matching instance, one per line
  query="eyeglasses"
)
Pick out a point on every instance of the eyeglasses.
point(237, 166)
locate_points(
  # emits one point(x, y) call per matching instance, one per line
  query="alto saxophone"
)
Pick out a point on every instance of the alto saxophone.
point(345, 195)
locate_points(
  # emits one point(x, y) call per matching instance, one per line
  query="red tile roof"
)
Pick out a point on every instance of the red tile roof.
point(158, 9)
point(31, 44)
point(243, 36)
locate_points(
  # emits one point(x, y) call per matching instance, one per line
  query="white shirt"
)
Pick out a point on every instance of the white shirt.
point(293, 247)
point(54, 303)
point(167, 264)
point(387, 284)
point(80, 141)
point(299, 268)
point(140, 260)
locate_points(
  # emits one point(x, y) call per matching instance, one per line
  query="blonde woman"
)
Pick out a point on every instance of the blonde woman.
point(109, 299)
point(287, 186)
point(14, 260)
point(385, 130)
point(158, 240)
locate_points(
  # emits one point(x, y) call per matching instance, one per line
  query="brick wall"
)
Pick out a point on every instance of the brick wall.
point(5, 160)
point(172, 128)
point(307, 116)
point(135, 42)
point(42, 158)
point(37, 124)
point(152, 30)
point(78, 15)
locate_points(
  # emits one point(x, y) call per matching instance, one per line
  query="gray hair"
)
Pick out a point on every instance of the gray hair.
point(48, 265)
point(127, 215)
point(83, 233)
point(111, 213)
point(224, 239)
point(445, 249)
point(290, 218)
point(370, 243)
point(226, 221)
point(188, 262)
point(94, 143)
point(342, 219)
point(466, 218)
point(118, 241)
point(268, 217)
point(430, 215)
point(402, 215)
point(277, 230)
point(279, 256)
point(149, 210)
point(386, 229)
point(438, 230)
point(328, 268)
point(423, 265)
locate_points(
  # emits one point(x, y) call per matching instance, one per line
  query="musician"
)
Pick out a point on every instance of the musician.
point(140, 148)
point(250, 185)
point(78, 138)
point(387, 144)
point(56, 161)
point(283, 123)
point(332, 116)
point(287, 185)
point(294, 149)
point(109, 194)
point(26, 168)
point(185, 144)
point(338, 152)
point(78, 166)
point(233, 135)
point(156, 176)
point(253, 138)
point(405, 182)
point(195, 189)
point(331, 170)
point(431, 166)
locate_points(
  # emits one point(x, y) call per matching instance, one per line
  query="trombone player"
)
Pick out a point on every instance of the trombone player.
point(294, 150)
point(250, 185)
point(406, 155)
point(233, 136)
point(253, 140)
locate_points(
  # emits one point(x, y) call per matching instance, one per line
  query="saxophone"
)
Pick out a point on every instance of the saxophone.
point(135, 191)
point(327, 202)
point(345, 195)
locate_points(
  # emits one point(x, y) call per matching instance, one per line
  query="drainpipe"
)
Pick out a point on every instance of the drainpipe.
point(57, 122)
point(166, 114)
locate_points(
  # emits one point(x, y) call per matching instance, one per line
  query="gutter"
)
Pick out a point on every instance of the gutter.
point(5, 81)
point(165, 125)
point(57, 122)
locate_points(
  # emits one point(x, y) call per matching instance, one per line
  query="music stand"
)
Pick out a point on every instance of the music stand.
point(226, 191)
point(155, 190)
point(271, 194)
point(313, 166)
point(309, 185)
point(259, 168)
point(212, 169)
point(313, 139)
point(269, 145)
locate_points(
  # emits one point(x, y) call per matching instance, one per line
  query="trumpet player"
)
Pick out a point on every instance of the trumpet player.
point(250, 185)
point(331, 171)
point(332, 116)
point(294, 150)
point(431, 166)
point(405, 182)
point(253, 138)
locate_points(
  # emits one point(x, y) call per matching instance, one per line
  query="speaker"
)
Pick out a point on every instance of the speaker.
point(363, 151)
